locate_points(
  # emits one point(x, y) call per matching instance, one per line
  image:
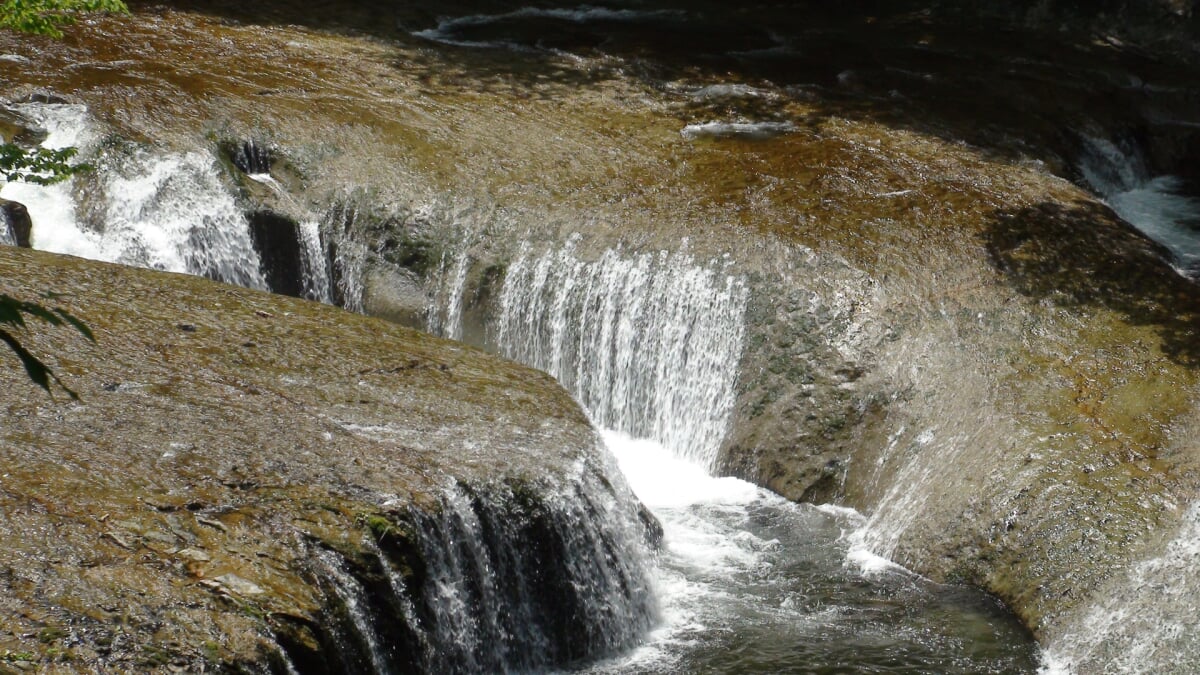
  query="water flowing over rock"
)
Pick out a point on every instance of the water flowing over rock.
point(15, 225)
point(916, 318)
point(251, 481)
point(1156, 205)
point(496, 605)
point(167, 211)
point(649, 344)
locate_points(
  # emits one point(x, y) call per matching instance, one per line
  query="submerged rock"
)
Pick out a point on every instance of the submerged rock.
point(264, 491)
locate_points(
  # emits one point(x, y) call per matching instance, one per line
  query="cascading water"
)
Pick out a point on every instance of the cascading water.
point(168, 212)
point(353, 600)
point(7, 238)
point(516, 585)
point(509, 577)
point(1145, 621)
point(650, 344)
point(448, 323)
point(1153, 204)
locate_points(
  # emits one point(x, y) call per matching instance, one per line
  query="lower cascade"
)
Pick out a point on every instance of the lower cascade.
point(746, 581)
point(493, 578)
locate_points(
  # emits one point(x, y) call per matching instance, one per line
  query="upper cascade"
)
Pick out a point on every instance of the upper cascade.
point(649, 344)
point(168, 211)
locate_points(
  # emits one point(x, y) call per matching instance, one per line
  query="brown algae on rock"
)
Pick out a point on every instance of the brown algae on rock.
point(168, 517)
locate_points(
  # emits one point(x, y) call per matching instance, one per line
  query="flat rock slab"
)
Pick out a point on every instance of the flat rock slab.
point(163, 519)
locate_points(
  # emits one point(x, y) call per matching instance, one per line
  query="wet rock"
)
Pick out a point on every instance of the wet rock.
point(239, 586)
point(396, 295)
point(45, 97)
point(251, 157)
point(277, 240)
point(295, 452)
point(15, 217)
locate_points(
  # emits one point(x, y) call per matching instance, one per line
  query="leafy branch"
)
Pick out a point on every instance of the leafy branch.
point(40, 166)
point(47, 17)
point(12, 314)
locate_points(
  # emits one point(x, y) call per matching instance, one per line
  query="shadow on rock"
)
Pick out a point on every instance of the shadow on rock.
point(1082, 255)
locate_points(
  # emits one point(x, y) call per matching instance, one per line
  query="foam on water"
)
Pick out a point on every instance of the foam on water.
point(743, 130)
point(700, 547)
point(450, 31)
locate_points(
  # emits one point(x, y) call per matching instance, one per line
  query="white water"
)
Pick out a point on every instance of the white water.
point(649, 344)
point(703, 546)
point(165, 211)
point(744, 130)
point(353, 597)
point(450, 31)
point(313, 259)
point(1144, 622)
point(1153, 204)
point(444, 315)
point(747, 581)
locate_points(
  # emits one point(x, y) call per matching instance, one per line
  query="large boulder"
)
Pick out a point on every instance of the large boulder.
point(248, 481)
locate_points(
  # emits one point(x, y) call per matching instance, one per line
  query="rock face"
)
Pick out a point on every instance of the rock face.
point(14, 217)
point(254, 482)
point(277, 240)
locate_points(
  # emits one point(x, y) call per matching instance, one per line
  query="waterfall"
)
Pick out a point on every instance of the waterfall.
point(167, 211)
point(499, 578)
point(1153, 204)
point(517, 584)
point(316, 271)
point(354, 601)
point(649, 344)
point(453, 281)
point(7, 238)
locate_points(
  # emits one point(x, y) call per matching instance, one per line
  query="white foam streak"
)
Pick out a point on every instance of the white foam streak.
point(1154, 205)
point(446, 30)
point(743, 130)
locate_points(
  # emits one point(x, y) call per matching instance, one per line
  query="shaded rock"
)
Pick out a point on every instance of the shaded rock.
point(396, 295)
point(277, 240)
point(250, 157)
point(15, 218)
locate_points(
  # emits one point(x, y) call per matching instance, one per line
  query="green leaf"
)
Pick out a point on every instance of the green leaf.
point(47, 17)
point(40, 166)
point(12, 312)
